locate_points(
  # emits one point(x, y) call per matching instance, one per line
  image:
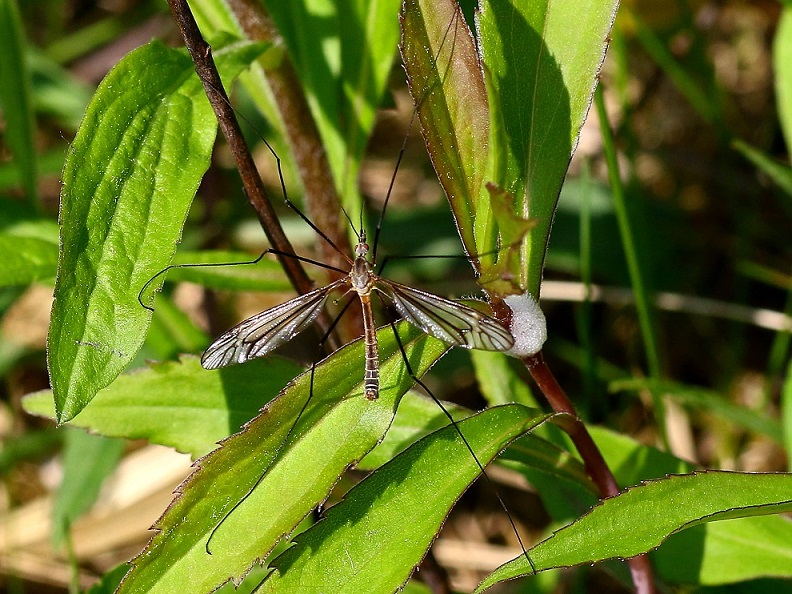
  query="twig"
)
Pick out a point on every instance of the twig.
point(777, 321)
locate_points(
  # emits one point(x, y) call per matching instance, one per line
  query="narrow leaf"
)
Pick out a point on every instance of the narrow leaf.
point(446, 83)
point(129, 178)
point(15, 98)
point(782, 70)
point(342, 52)
point(709, 400)
point(780, 173)
point(88, 461)
point(266, 275)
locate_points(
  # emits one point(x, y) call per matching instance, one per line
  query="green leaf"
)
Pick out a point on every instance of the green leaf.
point(88, 461)
point(629, 524)
point(374, 538)
point(786, 406)
point(541, 62)
point(728, 552)
point(57, 94)
point(540, 67)
point(26, 260)
point(172, 333)
point(286, 460)
point(498, 381)
point(780, 173)
point(697, 555)
point(129, 178)
point(417, 417)
point(31, 445)
point(180, 405)
point(15, 98)
point(782, 70)
point(110, 580)
point(445, 80)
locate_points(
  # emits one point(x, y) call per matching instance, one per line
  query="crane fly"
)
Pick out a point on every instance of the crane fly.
point(449, 321)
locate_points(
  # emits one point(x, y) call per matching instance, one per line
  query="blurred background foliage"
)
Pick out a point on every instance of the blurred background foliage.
point(699, 97)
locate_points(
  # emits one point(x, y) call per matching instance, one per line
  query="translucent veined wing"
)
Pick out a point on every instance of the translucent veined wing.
point(260, 334)
point(451, 322)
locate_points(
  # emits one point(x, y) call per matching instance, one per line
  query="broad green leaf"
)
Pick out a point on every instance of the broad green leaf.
point(26, 260)
point(696, 556)
point(374, 538)
point(416, 417)
point(541, 63)
point(287, 459)
point(629, 524)
point(419, 416)
point(180, 405)
point(540, 67)
point(782, 70)
point(87, 461)
point(15, 98)
point(129, 178)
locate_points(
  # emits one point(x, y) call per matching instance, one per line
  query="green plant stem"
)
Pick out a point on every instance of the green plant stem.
point(596, 467)
point(636, 278)
point(201, 54)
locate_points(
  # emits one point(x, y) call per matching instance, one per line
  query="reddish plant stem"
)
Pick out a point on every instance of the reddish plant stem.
point(201, 54)
point(596, 466)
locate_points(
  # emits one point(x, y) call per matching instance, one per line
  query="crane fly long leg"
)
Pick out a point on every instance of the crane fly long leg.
point(262, 333)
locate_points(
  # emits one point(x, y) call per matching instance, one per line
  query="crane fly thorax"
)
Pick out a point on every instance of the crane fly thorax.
point(360, 277)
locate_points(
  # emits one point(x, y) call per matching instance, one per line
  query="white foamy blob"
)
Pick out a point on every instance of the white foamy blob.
point(528, 325)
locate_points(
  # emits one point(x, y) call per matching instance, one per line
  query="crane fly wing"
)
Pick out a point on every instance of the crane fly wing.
point(447, 320)
point(262, 333)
